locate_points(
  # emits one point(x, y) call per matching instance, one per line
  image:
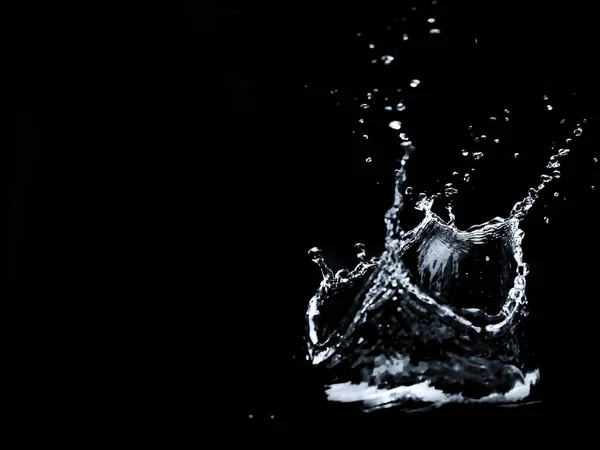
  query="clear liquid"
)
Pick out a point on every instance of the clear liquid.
point(436, 318)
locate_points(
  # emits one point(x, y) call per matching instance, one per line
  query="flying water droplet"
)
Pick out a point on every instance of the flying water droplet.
point(387, 59)
point(361, 120)
point(365, 136)
point(556, 174)
point(578, 132)
point(403, 136)
point(549, 107)
point(467, 177)
point(405, 37)
point(496, 141)
point(431, 20)
point(400, 107)
point(465, 153)
point(361, 252)
point(564, 152)
point(369, 160)
point(478, 155)
point(547, 220)
point(388, 108)
point(364, 106)
point(517, 155)
point(595, 160)
point(487, 258)
point(395, 125)
point(315, 254)
point(414, 83)
point(556, 194)
point(455, 174)
point(435, 31)
point(546, 178)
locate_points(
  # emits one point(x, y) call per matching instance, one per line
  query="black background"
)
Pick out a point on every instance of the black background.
point(170, 171)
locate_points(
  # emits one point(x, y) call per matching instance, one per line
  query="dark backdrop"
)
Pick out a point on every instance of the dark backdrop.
point(170, 171)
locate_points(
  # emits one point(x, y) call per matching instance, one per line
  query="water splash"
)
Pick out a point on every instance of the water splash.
point(423, 322)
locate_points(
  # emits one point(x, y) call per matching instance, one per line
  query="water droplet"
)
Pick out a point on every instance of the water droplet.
point(315, 254)
point(465, 153)
point(507, 119)
point(405, 37)
point(414, 83)
point(546, 178)
point(563, 121)
point(487, 258)
point(593, 188)
point(578, 132)
point(250, 416)
point(467, 177)
point(361, 120)
point(506, 111)
point(455, 174)
point(272, 417)
point(450, 190)
point(568, 140)
point(365, 136)
point(517, 155)
point(477, 155)
point(546, 220)
point(369, 160)
point(434, 31)
point(431, 20)
point(395, 125)
point(364, 106)
point(556, 194)
point(493, 118)
point(361, 251)
point(564, 152)
point(403, 136)
point(371, 46)
point(387, 59)
point(496, 141)
point(556, 174)
point(549, 107)
point(400, 107)
point(545, 97)
point(595, 160)
point(388, 108)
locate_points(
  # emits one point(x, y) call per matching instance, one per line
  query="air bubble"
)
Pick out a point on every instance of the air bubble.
point(556, 174)
point(371, 46)
point(387, 59)
point(578, 132)
point(455, 174)
point(467, 177)
point(408, 190)
point(365, 136)
point(465, 153)
point(400, 107)
point(403, 136)
point(546, 178)
point(487, 258)
point(315, 254)
point(369, 160)
point(364, 106)
point(564, 152)
point(478, 155)
point(517, 155)
point(395, 125)
point(556, 194)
